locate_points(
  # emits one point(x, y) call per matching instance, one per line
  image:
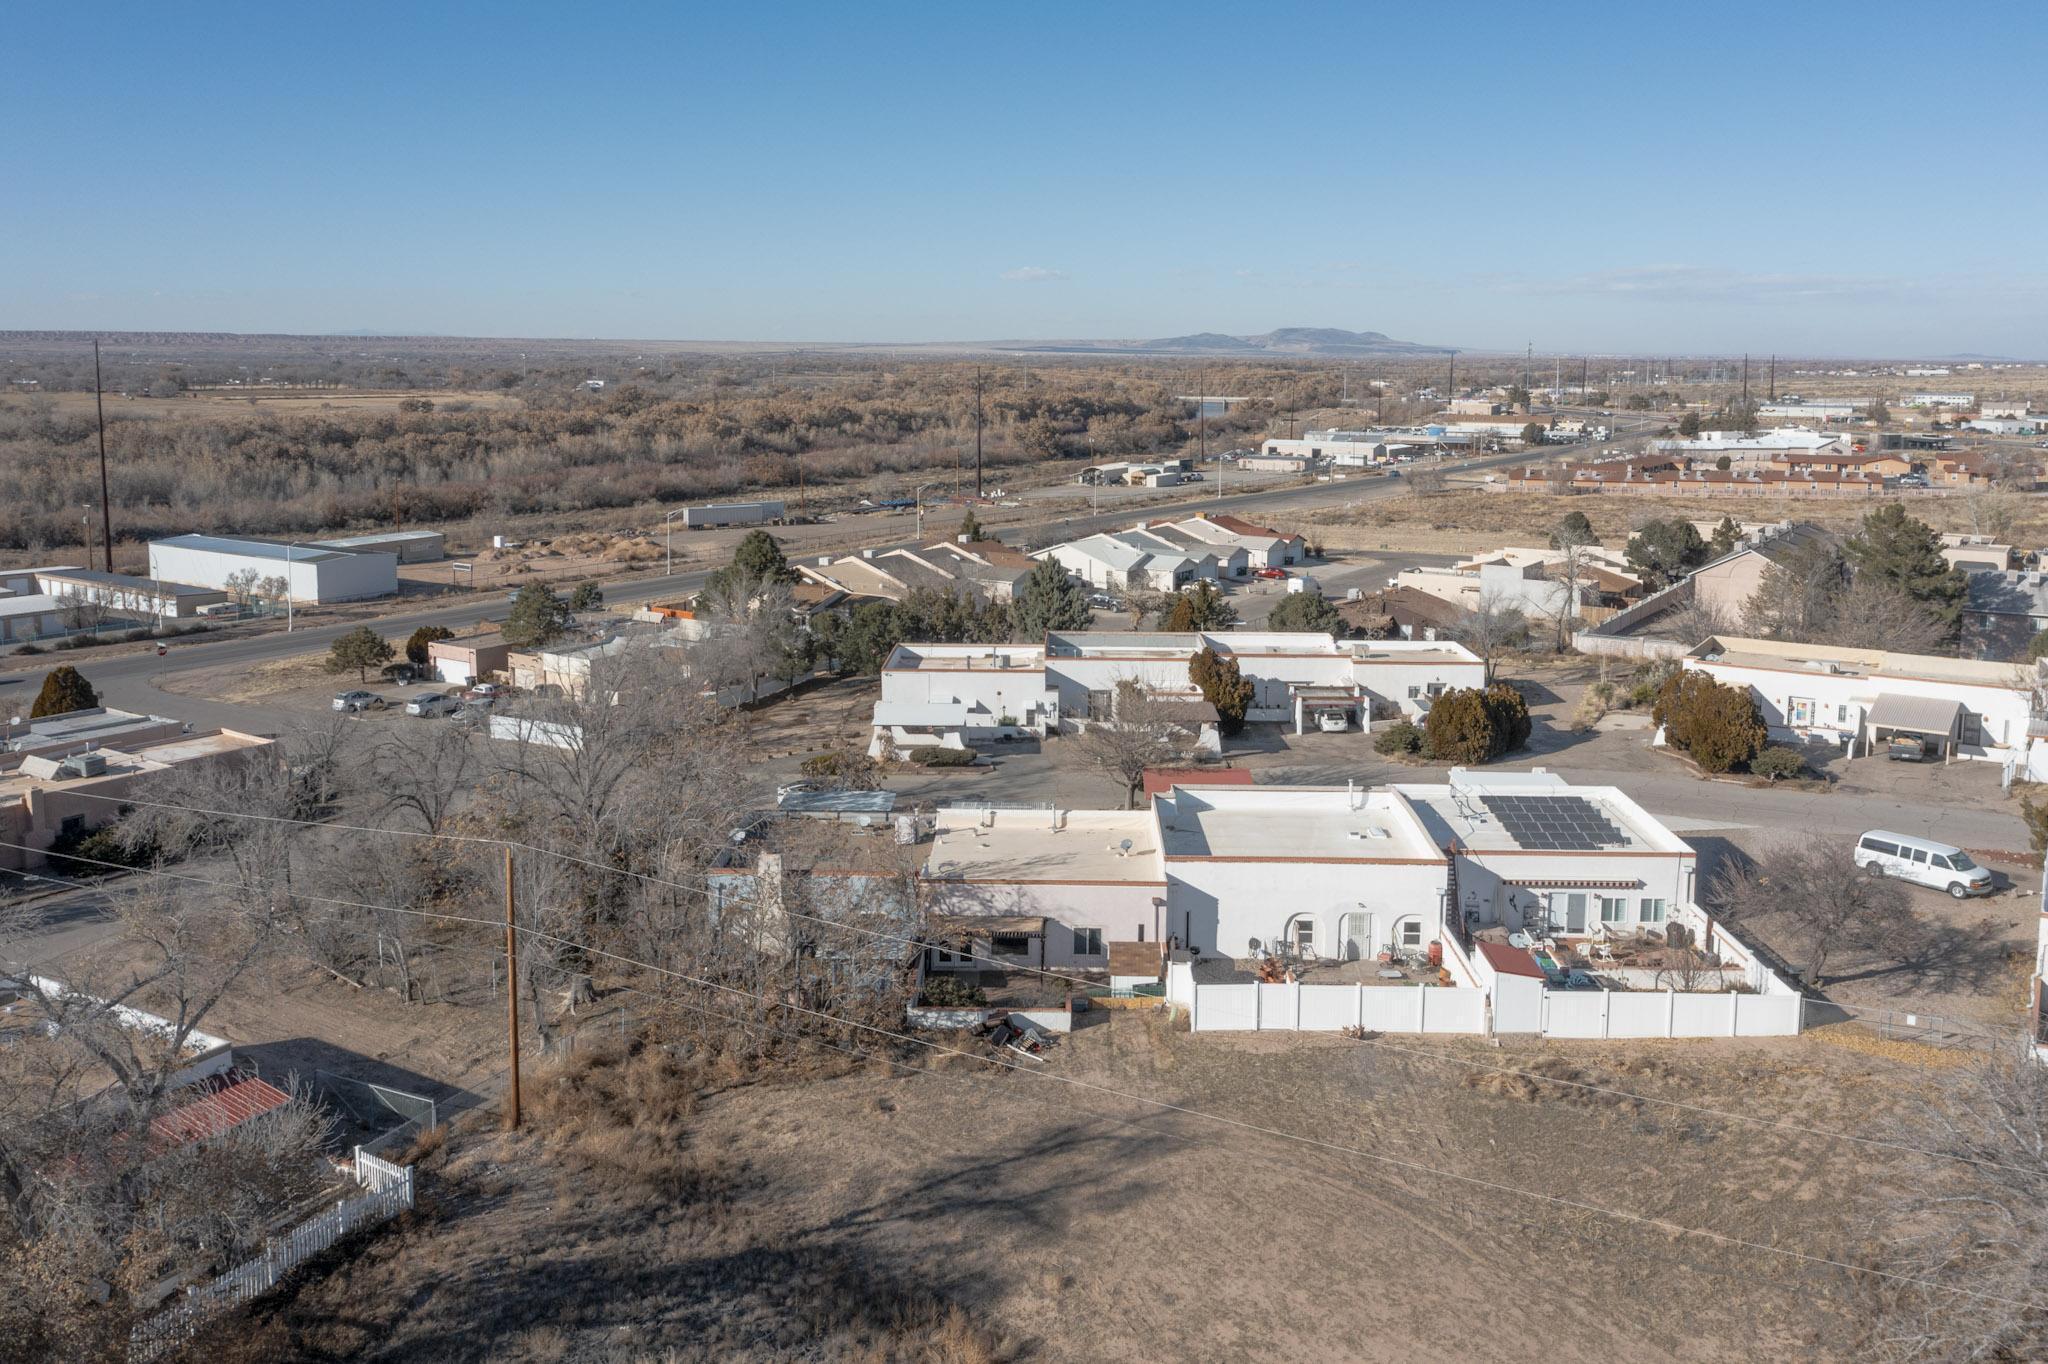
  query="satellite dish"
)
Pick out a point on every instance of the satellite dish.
point(1125, 845)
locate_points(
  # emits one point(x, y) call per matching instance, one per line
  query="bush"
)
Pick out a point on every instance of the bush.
point(1462, 728)
point(948, 992)
point(932, 755)
point(1398, 738)
point(30, 649)
point(1720, 727)
point(846, 768)
point(1778, 762)
point(64, 690)
point(1510, 716)
point(97, 849)
point(416, 643)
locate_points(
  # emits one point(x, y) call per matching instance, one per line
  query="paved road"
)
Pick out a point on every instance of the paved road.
point(133, 681)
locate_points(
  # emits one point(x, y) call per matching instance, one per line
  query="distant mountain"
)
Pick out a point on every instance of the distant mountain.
point(1331, 342)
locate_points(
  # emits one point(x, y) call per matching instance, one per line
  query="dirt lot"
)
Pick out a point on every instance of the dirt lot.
point(976, 1215)
point(1469, 518)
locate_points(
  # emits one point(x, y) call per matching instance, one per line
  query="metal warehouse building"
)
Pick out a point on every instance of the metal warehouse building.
point(314, 575)
point(411, 546)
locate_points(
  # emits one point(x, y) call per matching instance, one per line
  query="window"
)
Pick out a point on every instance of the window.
point(1917, 854)
point(1961, 861)
point(1973, 728)
point(1878, 845)
point(1613, 909)
point(1009, 945)
point(1414, 690)
point(1087, 942)
point(1411, 933)
point(1303, 931)
point(1652, 911)
point(1940, 861)
point(1842, 714)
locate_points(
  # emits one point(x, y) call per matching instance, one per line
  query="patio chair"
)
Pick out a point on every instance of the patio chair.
point(1603, 952)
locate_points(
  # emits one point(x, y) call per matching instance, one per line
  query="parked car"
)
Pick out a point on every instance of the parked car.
point(1922, 861)
point(1270, 573)
point(356, 702)
point(432, 703)
point(485, 693)
point(1908, 748)
point(1102, 601)
point(1333, 721)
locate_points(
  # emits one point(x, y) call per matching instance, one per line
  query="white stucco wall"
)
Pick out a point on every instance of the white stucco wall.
point(1221, 905)
point(1841, 703)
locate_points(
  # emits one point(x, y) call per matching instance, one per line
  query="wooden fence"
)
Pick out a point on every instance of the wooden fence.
point(389, 1192)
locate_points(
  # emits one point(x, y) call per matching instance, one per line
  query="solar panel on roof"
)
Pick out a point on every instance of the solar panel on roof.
point(1554, 823)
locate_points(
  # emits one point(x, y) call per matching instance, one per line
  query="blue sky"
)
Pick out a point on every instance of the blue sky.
point(1861, 179)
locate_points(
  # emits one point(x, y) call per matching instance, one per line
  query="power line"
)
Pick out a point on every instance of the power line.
point(909, 939)
point(1415, 1167)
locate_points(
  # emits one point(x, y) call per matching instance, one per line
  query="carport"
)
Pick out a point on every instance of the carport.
point(1310, 702)
point(1923, 717)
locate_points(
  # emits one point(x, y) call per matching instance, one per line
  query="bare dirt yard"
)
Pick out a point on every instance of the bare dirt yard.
point(1390, 1199)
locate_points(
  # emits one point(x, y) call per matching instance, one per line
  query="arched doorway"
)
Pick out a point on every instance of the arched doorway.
point(1354, 936)
point(1300, 937)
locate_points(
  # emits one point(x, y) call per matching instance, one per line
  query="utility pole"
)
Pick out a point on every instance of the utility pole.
point(803, 503)
point(1745, 385)
point(979, 383)
point(106, 501)
point(1451, 384)
point(1202, 413)
point(1774, 378)
point(512, 993)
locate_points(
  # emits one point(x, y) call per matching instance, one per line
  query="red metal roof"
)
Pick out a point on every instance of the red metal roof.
point(231, 1101)
point(1160, 780)
point(1510, 961)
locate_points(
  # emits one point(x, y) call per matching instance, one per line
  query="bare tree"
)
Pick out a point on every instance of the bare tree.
point(1426, 480)
point(1804, 891)
point(1569, 571)
point(1492, 628)
point(1876, 613)
point(1966, 1237)
point(241, 585)
point(1694, 620)
point(80, 612)
point(422, 772)
point(1795, 598)
point(1141, 731)
point(759, 635)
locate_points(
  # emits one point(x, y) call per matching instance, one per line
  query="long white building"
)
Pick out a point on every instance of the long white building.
point(1858, 698)
point(312, 576)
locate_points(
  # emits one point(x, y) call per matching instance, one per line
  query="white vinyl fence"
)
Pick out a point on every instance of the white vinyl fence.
point(1332, 1008)
point(1668, 1013)
point(389, 1193)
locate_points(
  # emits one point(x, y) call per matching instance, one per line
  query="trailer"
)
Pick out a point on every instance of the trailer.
point(732, 514)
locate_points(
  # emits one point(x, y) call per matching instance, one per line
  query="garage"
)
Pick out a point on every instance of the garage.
point(1936, 720)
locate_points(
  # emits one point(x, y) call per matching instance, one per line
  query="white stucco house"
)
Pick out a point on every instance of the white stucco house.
point(1859, 698)
point(959, 695)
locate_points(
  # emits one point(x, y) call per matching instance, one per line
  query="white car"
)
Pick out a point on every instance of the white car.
point(1923, 862)
point(1333, 721)
point(356, 702)
point(433, 703)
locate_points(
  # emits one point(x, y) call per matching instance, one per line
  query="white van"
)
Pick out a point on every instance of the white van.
point(1923, 862)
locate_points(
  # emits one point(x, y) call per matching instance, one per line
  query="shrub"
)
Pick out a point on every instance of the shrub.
point(932, 755)
point(30, 649)
point(2035, 813)
point(99, 848)
point(64, 690)
point(1778, 762)
point(1462, 728)
point(1510, 716)
point(1720, 727)
point(949, 992)
point(1223, 685)
point(416, 643)
point(1397, 738)
point(847, 768)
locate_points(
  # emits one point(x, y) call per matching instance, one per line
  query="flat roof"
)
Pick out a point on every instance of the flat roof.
point(1024, 847)
point(144, 757)
point(31, 604)
point(977, 658)
point(1292, 824)
point(154, 586)
point(299, 553)
point(1409, 651)
point(1829, 661)
point(1536, 812)
point(350, 541)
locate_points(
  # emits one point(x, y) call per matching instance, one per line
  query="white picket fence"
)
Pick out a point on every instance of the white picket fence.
point(389, 1193)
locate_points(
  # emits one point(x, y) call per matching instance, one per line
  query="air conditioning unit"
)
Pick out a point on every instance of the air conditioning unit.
point(85, 765)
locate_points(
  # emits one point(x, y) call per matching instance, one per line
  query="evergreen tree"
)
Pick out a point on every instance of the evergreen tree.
point(1199, 607)
point(1665, 551)
point(416, 643)
point(64, 690)
point(1573, 529)
point(1050, 600)
point(970, 527)
point(537, 618)
point(1726, 536)
point(1461, 728)
point(1720, 727)
point(361, 649)
point(588, 596)
point(1307, 611)
point(1901, 550)
point(1223, 685)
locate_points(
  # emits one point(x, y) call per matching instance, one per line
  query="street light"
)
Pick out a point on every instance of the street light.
point(917, 496)
point(668, 539)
